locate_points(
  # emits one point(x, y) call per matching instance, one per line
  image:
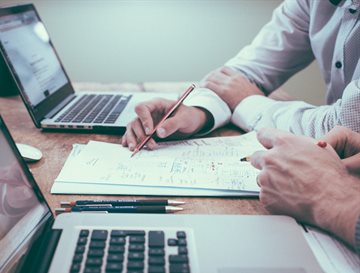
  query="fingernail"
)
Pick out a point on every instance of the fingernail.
point(131, 146)
point(161, 132)
point(147, 130)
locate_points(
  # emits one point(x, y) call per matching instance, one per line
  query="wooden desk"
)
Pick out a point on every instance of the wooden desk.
point(57, 146)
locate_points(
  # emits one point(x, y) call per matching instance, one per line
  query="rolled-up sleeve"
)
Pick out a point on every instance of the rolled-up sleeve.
point(281, 48)
point(298, 117)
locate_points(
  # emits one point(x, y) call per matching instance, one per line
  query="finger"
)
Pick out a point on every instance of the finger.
point(218, 78)
point(270, 137)
point(226, 70)
point(170, 126)
point(337, 138)
point(138, 130)
point(212, 86)
point(145, 112)
point(130, 137)
point(352, 164)
point(257, 159)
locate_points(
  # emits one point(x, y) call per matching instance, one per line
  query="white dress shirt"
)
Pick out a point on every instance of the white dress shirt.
point(299, 32)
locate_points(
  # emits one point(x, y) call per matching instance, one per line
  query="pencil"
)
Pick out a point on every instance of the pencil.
point(168, 114)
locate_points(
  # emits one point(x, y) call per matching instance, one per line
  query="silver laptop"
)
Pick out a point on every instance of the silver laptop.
point(45, 87)
point(31, 240)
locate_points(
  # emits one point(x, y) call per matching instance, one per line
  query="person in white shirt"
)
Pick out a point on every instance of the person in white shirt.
point(299, 32)
point(316, 184)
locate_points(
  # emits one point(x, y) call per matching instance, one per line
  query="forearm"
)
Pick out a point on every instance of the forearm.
point(298, 117)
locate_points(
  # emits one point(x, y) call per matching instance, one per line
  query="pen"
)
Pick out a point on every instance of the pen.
point(320, 143)
point(121, 209)
point(168, 114)
point(157, 202)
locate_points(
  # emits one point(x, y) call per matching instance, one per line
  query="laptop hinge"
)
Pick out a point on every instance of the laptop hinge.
point(60, 106)
point(42, 251)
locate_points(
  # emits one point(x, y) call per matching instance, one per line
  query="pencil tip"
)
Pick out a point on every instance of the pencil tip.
point(173, 209)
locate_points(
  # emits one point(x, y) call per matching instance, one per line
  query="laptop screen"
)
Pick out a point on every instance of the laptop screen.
point(26, 43)
point(22, 208)
point(26, 47)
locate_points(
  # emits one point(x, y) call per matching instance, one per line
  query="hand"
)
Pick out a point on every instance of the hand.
point(347, 144)
point(230, 85)
point(310, 183)
point(185, 122)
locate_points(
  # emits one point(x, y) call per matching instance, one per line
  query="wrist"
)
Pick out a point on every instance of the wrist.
point(340, 212)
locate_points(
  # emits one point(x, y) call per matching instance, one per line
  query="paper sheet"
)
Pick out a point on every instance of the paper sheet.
point(210, 163)
point(333, 256)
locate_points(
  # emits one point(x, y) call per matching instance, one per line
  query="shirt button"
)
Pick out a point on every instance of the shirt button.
point(338, 64)
point(352, 11)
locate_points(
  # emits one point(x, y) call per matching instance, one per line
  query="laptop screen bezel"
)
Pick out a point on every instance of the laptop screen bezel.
point(48, 216)
point(38, 112)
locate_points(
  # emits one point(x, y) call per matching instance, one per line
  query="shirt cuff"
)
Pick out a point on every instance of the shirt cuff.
point(250, 111)
point(210, 101)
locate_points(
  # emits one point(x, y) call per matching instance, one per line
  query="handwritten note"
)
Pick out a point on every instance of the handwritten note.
point(208, 163)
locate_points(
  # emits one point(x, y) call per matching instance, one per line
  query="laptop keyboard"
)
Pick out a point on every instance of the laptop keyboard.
point(95, 109)
point(131, 251)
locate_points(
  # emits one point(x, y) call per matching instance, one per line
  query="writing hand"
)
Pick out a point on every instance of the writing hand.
point(230, 85)
point(185, 122)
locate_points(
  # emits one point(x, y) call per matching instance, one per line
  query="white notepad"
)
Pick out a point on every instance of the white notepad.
point(207, 166)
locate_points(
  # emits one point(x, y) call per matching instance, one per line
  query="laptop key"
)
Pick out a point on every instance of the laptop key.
point(115, 257)
point(75, 267)
point(137, 256)
point(78, 258)
point(82, 241)
point(118, 233)
point(95, 262)
point(136, 248)
point(179, 268)
point(96, 253)
point(116, 249)
point(80, 249)
point(182, 250)
point(156, 239)
point(172, 242)
point(117, 241)
point(135, 265)
point(84, 233)
point(97, 244)
point(92, 270)
point(156, 261)
point(137, 240)
point(156, 252)
point(181, 234)
point(156, 269)
point(114, 267)
point(178, 259)
point(100, 235)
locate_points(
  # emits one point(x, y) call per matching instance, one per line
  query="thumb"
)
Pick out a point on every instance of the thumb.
point(352, 164)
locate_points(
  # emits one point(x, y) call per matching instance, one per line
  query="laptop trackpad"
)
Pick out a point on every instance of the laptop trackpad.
point(261, 270)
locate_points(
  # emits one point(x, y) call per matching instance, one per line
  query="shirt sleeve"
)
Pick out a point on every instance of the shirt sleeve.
point(210, 101)
point(357, 237)
point(298, 117)
point(279, 50)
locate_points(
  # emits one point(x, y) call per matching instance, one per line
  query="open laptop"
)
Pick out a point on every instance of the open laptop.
point(31, 240)
point(45, 87)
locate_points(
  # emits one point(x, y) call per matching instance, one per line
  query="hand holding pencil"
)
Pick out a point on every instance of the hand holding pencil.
point(182, 122)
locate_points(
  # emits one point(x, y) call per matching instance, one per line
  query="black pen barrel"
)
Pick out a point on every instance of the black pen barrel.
point(122, 202)
point(121, 209)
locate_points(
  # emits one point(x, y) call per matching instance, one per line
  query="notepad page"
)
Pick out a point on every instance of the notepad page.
point(209, 163)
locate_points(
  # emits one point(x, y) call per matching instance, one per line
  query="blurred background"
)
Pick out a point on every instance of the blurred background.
point(112, 41)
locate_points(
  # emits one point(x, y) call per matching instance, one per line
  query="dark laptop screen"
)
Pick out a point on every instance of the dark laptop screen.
point(21, 208)
point(26, 44)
